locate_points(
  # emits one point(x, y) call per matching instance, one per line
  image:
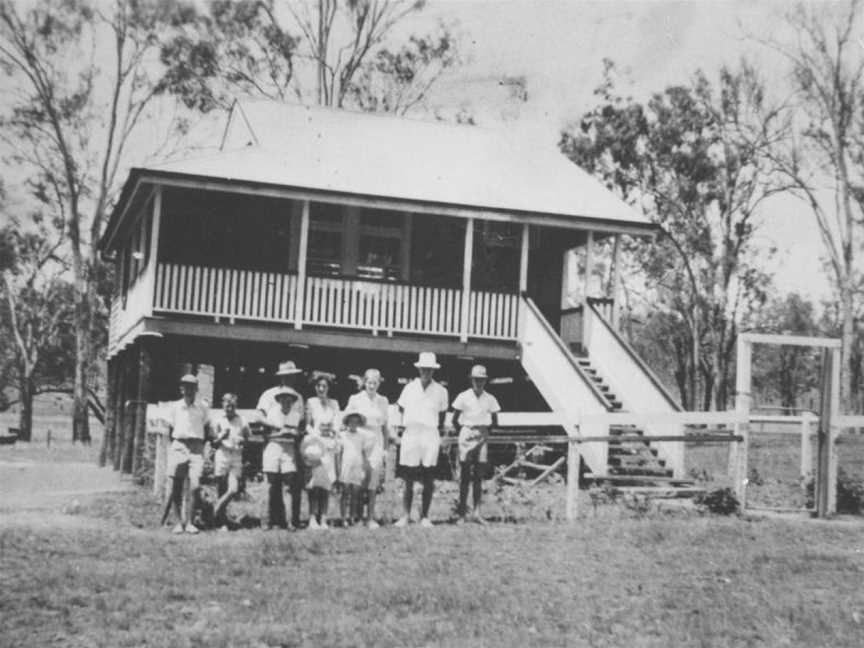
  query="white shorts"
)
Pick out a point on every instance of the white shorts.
point(228, 462)
point(191, 454)
point(279, 457)
point(420, 446)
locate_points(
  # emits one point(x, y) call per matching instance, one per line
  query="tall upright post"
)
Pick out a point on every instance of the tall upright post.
point(152, 266)
point(140, 408)
point(467, 262)
point(301, 266)
point(106, 452)
point(566, 278)
point(826, 470)
point(615, 288)
point(806, 471)
point(738, 455)
point(523, 260)
point(834, 430)
point(589, 263)
point(119, 416)
point(572, 505)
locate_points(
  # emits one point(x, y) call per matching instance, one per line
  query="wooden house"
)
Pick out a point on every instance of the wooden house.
point(344, 241)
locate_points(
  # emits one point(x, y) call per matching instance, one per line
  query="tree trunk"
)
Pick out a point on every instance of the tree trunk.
point(26, 391)
point(106, 452)
point(848, 341)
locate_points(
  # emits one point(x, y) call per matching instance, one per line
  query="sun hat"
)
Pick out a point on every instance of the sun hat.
point(285, 391)
point(353, 412)
point(479, 371)
point(287, 368)
point(189, 379)
point(312, 450)
point(427, 360)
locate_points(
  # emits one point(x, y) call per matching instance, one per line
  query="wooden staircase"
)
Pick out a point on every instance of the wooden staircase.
point(633, 465)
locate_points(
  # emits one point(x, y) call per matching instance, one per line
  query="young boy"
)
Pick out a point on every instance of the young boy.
point(231, 435)
point(279, 461)
point(477, 410)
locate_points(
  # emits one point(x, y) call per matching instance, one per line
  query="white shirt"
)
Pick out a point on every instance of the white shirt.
point(318, 416)
point(188, 421)
point(474, 410)
point(374, 409)
point(268, 401)
point(422, 406)
point(236, 428)
point(277, 418)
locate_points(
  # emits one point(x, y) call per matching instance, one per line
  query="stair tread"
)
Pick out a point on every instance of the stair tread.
point(638, 478)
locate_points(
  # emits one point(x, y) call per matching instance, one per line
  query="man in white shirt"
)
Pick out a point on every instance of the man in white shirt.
point(189, 429)
point(477, 410)
point(423, 404)
point(288, 374)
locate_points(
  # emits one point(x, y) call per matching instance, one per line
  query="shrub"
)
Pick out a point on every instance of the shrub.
point(850, 493)
point(720, 501)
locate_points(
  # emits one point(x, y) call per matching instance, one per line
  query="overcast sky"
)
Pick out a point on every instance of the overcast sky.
point(558, 45)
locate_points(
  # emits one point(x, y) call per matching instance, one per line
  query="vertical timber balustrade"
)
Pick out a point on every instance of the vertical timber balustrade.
point(589, 264)
point(301, 267)
point(467, 260)
point(616, 283)
point(523, 260)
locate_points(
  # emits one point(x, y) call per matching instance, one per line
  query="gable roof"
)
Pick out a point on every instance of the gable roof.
point(382, 156)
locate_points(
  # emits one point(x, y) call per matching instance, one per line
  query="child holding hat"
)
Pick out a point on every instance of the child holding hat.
point(477, 410)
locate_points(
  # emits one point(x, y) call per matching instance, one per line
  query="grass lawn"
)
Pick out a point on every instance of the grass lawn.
point(96, 579)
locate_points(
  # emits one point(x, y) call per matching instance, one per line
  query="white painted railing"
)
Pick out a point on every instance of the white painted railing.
point(222, 292)
point(333, 302)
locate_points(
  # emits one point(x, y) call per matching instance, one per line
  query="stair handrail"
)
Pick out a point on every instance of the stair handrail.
point(565, 351)
point(637, 359)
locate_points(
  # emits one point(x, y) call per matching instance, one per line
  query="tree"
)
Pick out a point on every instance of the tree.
point(824, 161)
point(694, 159)
point(339, 52)
point(37, 305)
point(69, 121)
point(787, 372)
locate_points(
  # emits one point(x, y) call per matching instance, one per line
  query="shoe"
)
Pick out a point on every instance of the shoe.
point(191, 529)
point(224, 529)
point(372, 525)
point(177, 530)
point(323, 525)
point(426, 523)
point(460, 520)
point(313, 525)
point(478, 519)
point(401, 522)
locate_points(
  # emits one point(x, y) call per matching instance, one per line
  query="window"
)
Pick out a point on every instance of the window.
point(497, 252)
point(380, 245)
point(326, 229)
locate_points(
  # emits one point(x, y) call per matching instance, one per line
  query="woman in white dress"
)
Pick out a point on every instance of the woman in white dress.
point(323, 422)
point(374, 408)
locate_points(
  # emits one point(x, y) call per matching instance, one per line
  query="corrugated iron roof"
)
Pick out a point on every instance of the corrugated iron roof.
point(380, 155)
point(347, 152)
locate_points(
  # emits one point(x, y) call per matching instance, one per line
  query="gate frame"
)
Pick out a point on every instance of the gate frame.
point(829, 419)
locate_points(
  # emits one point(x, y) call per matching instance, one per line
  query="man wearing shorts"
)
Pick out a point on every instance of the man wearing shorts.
point(476, 410)
point(231, 435)
point(423, 403)
point(280, 462)
point(189, 428)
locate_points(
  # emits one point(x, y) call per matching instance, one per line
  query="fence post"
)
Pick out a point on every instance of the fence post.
point(572, 506)
point(806, 450)
point(742, 409)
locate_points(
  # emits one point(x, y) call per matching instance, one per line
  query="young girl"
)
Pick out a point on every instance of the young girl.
point(322, 417)
point(231, 435)
point(357, 446)
point(373, 406)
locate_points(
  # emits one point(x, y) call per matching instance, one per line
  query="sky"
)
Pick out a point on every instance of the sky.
point(559, 45)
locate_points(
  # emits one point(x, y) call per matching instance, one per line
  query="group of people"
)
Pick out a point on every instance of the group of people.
point(315, 445)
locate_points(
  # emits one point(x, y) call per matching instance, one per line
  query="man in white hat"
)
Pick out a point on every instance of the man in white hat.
point(188, 428)
point(423, 403)
point(477, 410)
point(288, 374)
point(279, 461)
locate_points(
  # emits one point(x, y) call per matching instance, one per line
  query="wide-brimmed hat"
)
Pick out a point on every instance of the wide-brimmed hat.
point(427, 360)
point(189, 379)
point(479, 371)
point(288, 369)
point(312, 451)
point(285, 391)
point(353, 412)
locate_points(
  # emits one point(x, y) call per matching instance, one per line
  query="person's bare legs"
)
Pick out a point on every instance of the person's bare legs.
point(428, 490)
point(177, 483)
point(222, 502)
point(408, 498)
